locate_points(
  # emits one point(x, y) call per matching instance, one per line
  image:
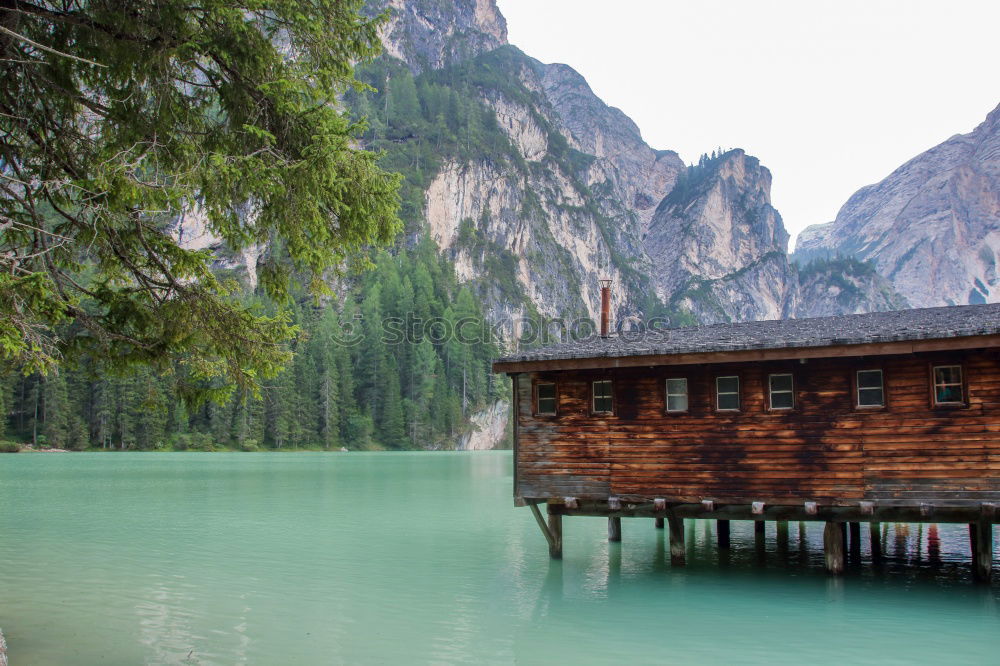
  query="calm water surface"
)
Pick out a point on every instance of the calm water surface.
point(309, 558)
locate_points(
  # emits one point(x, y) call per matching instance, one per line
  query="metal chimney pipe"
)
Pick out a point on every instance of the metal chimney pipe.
point(605, 307)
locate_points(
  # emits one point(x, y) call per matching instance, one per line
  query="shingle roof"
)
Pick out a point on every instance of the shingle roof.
point(895, 326)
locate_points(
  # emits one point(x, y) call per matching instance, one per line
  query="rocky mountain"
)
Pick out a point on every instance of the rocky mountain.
point(932, 227)
point(719, 248)
point(543, 188)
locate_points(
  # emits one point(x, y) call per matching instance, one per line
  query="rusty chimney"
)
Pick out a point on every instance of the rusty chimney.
point(605, 306)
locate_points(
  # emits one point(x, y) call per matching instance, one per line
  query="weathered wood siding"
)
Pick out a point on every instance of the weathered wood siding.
point(824, 450)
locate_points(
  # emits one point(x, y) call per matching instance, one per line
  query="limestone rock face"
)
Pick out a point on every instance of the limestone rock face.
point(430, 34)
point(719, 246)
point(932, 227)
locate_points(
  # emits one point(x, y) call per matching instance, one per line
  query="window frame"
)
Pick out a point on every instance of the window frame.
point(555, 406)
point(963, 386)
point(856, 386)
point(739, 394)
point(667, 394)
point(767, 384)
point(593, 397)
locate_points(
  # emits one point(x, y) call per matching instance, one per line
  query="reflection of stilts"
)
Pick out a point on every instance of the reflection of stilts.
point(901, 533)
point(933, 544)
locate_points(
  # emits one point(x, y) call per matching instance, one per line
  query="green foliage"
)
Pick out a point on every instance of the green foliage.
point(379, 391)
point(128, 115)
point(9, 447)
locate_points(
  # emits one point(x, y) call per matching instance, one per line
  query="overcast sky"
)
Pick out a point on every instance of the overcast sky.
point(830, 95)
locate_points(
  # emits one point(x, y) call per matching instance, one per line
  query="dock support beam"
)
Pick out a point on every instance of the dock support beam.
point(677, 549)
point(614, 528)
point(722, 532)
point(552, 531)
point(875, 535)
point(658, 523)
point(834, 536)
point(781, 535)
point(855, 541)
point(981, 539)
point(555, 529)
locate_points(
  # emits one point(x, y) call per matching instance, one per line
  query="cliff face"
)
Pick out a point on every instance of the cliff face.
point(719, 245)
point(932, 227)
point(431, 34)
point(570, 206)
point(576, 195)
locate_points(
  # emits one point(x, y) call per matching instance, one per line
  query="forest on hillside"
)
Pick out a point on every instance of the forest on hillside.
point(379, 369)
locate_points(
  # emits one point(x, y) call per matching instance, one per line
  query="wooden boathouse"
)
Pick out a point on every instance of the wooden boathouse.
point(890, 416)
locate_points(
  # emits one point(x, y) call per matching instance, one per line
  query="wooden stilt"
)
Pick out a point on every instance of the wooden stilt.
point(759, 542)
point(722, 531)
point(973, 529)
point(833, 547)
point(658, 523)
point(855, 551)
point(982, 554)
point(843, 531)
point(875, 536)
point(781, 528)
point(614, 528)
point(677, 549)
point(555, 529)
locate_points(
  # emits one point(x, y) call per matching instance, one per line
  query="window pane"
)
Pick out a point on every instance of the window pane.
point(948, 374)
point(781, 382)
point(546, 398)
point(869, 379)
point(870, 397)
point(677, 403)
point(729, 401)
point(677, 386)
point(602, 395)
point(948, 394)
point(782, 400)
point(728, 384)
point(602, 404)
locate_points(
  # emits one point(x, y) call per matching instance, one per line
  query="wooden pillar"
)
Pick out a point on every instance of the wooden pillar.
point(722, 532)
point(658, 523)
point(614, 528)
point(677, 549)
point(855, 542)
point(758, 530)
point(834, 535)
point(781, 528)
point(555, 530)
point(982, 551)
point(875, 535)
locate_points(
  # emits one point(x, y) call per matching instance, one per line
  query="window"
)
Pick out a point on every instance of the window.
point(602, 396)
point(780, 390)
point(545, 398)
point(870, 390)
point(727, 393)
point(948, 385)
point(677, 394)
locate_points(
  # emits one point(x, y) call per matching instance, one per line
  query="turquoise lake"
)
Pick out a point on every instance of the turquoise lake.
point(421, 558)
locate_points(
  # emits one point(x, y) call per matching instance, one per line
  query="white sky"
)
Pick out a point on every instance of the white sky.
point(830, 95)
